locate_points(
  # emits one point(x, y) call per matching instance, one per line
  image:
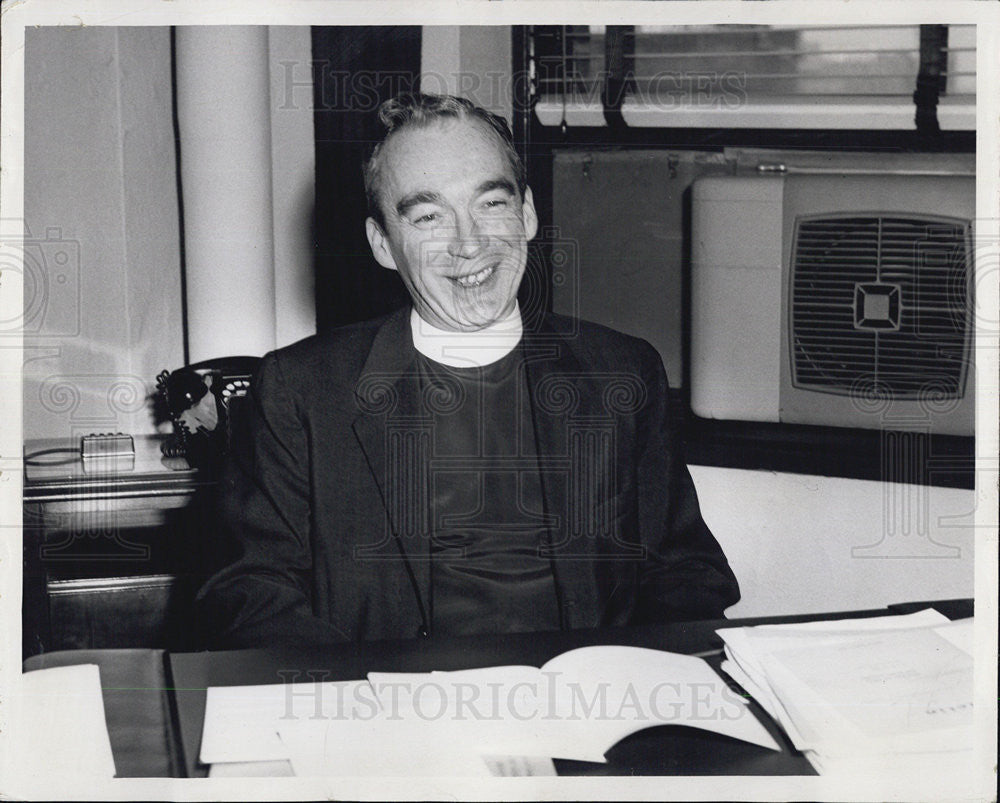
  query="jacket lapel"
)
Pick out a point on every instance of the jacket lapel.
point(560, 391)
point(394, 437)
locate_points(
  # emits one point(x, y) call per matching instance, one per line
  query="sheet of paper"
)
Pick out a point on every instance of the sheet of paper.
point(745, 647)
point(895, 685)
point(930, 767)
point(960, 633)
point(737, 639)
point(377, 747)
point(520, 766)
point(899, 691)
point(241, 722)
point(251, 769)
point(60, 727)
point(761, 694)
point(924, 618)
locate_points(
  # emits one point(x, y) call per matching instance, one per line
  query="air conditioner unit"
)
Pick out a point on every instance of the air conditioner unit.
point(837, 300)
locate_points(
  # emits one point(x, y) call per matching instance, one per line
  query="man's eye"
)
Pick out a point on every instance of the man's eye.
point(424, 219)
point(496, 203)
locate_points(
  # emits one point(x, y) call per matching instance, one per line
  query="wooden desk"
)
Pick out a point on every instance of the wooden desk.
point(155, 703)
point(110, 555)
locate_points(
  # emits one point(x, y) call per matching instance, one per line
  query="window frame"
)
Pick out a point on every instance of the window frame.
point(821, 450)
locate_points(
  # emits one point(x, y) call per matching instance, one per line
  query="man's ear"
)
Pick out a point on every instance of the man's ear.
point(528, 215)
point(379, 243)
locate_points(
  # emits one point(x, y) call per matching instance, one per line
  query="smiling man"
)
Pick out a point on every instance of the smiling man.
point(444, 470)
point(451, 212)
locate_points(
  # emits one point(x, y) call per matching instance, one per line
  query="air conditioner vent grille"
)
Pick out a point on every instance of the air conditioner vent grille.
point(880, 304)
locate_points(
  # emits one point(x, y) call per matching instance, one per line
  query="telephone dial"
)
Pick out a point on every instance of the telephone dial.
point(198, 400)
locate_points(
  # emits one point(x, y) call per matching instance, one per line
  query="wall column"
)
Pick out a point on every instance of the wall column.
point(471, 61)
point(223, 109)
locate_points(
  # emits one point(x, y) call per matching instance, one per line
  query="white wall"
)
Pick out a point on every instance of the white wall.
point(100, 189)
point(805, 544)
point(293, 182)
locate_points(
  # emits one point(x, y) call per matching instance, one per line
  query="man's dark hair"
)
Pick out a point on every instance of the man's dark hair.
point(417, 109)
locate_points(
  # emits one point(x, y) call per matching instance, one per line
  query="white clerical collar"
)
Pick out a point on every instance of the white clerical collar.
point(467, 349)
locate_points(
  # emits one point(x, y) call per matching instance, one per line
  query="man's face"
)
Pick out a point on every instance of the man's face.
point(456, 227)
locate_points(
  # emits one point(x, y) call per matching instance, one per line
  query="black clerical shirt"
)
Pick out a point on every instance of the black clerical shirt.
point(487, 523)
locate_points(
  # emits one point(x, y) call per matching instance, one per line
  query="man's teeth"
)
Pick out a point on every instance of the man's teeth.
point(475, 279)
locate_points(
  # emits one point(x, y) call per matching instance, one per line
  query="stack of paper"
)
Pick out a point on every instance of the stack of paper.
point(58, 733)
point(883, 695)
point(507, 720)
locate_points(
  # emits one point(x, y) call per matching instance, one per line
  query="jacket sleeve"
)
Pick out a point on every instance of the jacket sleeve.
point(262, 594)
point(685, 575)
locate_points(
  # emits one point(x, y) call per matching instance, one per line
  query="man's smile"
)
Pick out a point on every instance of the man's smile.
point(475, 279)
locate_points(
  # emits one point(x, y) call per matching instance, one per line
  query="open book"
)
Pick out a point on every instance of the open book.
point(576, 706)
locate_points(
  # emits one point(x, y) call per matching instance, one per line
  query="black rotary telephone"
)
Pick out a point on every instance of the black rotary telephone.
point(198, 400)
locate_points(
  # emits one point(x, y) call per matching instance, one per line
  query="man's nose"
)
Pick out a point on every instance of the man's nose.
point(467, 239)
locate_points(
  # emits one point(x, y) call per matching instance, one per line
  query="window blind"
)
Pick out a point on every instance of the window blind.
point(868, 77)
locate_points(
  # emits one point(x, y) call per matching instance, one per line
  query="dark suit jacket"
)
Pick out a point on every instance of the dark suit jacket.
point(322, 500)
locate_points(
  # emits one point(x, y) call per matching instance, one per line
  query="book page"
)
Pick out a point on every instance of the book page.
point(241, 722)
point(621, 690)
point(500, 710)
